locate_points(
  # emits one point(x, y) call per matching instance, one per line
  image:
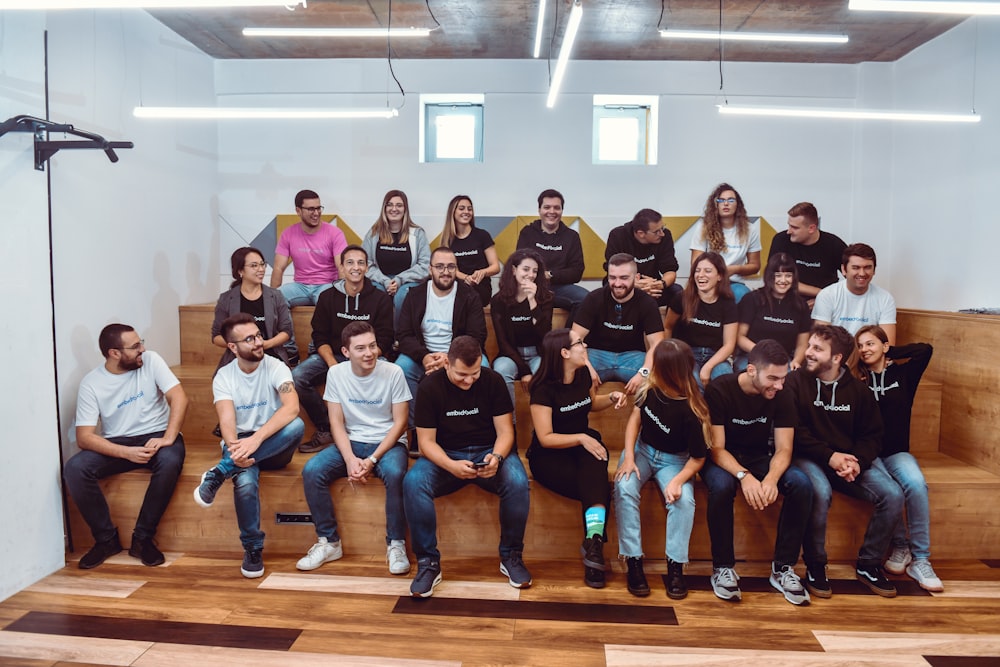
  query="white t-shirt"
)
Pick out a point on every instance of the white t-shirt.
point(437, 323)
point(837, 305)
point(254, 395)
point(736, 252)
point(131, 403)
point(367, 401)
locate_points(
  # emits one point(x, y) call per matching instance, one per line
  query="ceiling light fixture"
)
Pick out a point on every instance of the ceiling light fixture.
point(715, 35)
point(848, 114)
point(575, 15)
point(926, 6)
point(258, 113)
point(144, 4)
point(336, 32)
point(538, 28)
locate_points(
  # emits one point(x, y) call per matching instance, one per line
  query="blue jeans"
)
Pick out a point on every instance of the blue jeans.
point(507, 369)
point(273, 453)
point(740, 290)
point(662, 467)
point(328, 465)
point(797, 493)
point(905, 470)
point(308, 375)
point(301, 294)
point(874, 486)
point(703, 354)
point(426, 481)
point(83, 471)
point(611, 366)
point(397, 299)
point(569, 298)
point(413, 371)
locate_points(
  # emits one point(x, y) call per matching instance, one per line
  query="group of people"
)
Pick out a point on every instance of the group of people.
point(762, 396)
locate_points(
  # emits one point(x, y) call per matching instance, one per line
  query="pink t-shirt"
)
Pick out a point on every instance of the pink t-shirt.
point(314, 256)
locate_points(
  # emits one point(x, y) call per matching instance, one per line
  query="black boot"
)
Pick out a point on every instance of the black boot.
point(100, 552)
point(636, 577)
point(676, 588)
point(593, 552)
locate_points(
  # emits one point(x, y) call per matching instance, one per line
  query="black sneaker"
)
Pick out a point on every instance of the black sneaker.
point(636, 578)
point(873, 577)
point(816, 581)
point(253, 564)
point(676, 588)
point(211, 482)
point(100, 552)
point(428, 576)
point(593, 552)
point(146, 551)
point(514, 569)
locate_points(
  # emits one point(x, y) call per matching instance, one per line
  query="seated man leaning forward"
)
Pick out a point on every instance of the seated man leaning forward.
point(646, 239)
point(258, 416)
point(368, 401)
point(466, 435)
point(621, 326)
point(140, 406)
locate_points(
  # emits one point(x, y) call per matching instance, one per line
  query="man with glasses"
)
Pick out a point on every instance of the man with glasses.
point(352, 299)
point(434, 314)
point(139, 406)
point(621, 325)
point(258, 416)
point(652, 246)
point(313, 247)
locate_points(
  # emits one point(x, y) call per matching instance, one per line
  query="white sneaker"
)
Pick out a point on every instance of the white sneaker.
point(924, 575)
point(319, 553)
point(395, 553)
point(898, 560)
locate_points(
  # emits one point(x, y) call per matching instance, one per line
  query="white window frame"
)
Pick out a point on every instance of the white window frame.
point(645, 109)
point(432, 106)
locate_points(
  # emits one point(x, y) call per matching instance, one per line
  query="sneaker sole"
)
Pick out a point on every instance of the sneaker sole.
point(82, 566)
point(884, 592)
point(824, 593)
point(154, 563)
point(515, 584)
point(797, 600)
point(298, 566)
point(677, 596)
point(639, 592)
point(252, 575)
point(197, 496)
point(721, 593)
point(893, 570)
point(427, 594)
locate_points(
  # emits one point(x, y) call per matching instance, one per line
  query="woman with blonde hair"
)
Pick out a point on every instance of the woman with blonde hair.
point(725, 228)
point(475, 251)
point(666, 441)
point(399, 256)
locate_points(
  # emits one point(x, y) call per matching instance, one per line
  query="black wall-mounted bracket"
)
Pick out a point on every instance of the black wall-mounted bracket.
point(44, 149)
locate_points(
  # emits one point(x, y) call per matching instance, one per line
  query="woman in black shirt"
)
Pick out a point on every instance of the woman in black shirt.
point(775, 311)
point(475, 252)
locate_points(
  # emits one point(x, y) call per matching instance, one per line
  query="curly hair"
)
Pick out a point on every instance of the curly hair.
point(711, 230)
point(508, 284)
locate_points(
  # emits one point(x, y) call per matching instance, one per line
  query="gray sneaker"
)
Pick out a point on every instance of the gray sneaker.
point(924, 574)
point(211, 482)
point(787, 583)
point(253, 564)
point(320, 440)
point(513, 568)
point(428, 576)
point(725, 584)
point(898, 560)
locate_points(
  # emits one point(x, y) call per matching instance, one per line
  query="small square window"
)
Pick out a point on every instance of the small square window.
point(451, 129)
point(624, 129)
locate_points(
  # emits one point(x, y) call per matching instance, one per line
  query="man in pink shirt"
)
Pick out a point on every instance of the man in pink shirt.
point(313, 247)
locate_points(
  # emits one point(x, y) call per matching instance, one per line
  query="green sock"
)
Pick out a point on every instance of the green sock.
point(594, 518)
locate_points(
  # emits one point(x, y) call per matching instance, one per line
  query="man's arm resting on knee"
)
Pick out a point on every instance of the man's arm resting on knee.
point(177, 400)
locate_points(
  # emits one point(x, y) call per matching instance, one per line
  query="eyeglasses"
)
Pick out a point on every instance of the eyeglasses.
point(253, 266)
point(444, 267)
point(312, 209)
point(135, 348)
point(730, 200)
point(578, 342)
point(659, 231)
point(250, 340)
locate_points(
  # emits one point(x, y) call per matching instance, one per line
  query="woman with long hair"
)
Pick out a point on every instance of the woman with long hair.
point(475, 252)
point(248, 294)
point(522, 314)
point(895, 385)
point(566, 455)
point(665, 440)
point(775, 311)
point(704, 316)
point(725, 228)
point(398, 254)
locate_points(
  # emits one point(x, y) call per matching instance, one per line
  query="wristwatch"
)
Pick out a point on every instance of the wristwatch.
point(498, 457)
point(644, 372)
point(741, 474)
point(373, 459)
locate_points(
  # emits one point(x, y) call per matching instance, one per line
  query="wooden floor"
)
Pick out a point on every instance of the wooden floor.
point(198, 610)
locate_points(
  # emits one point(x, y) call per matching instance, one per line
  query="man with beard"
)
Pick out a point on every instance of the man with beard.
point(258, 416)
point(838, 438)
point(652, 246)
point(140, 406)
point(621, 326)
point(855, 302)
point(353, 299)
point(746, 409)
point(433, 314)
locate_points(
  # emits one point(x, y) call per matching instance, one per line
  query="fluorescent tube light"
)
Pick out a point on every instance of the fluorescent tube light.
point(538, 28)
point(336, 32)
point(848, 114)
point(571, 29)
point(259, 113)
point(754, 36)
point(926, 6)
point(143, 4)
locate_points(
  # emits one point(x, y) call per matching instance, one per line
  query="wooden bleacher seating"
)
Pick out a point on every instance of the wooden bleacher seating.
point(954, 427)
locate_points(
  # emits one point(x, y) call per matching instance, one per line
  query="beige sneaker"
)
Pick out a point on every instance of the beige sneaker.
point(395, 553)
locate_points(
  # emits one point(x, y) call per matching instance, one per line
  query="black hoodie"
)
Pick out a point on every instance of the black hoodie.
point(894, 389)
point(561, 251)
point(335, 310)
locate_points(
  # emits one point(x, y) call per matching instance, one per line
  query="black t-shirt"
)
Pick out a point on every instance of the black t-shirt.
point(521, 325)
point(393, 258)
point(570, 403)
point(748, 419)
point(463, 417)
point(789, 318)
point(705, 327)
point(670, 426)
point(818, 263)
point(470, 254)
point(652, 259)
point(618, 327)
point(256, 308)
